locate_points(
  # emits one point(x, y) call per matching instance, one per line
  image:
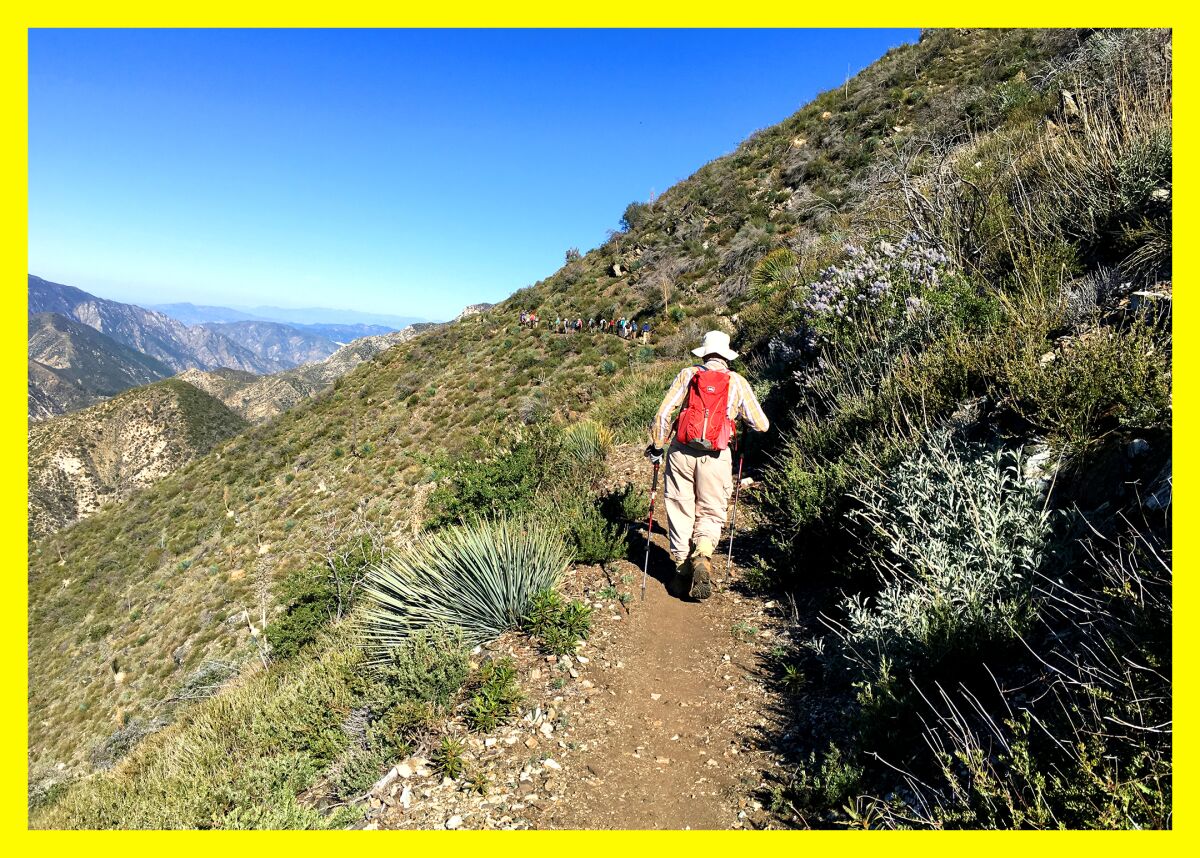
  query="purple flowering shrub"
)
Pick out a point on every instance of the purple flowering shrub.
point(876, 297)
point(886, 279)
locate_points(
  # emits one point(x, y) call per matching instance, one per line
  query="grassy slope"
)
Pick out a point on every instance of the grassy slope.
point(159, 584)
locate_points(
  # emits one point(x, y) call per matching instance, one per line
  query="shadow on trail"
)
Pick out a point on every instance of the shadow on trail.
point(661, 567)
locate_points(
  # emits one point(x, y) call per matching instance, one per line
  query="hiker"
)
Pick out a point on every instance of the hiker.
point(699, 472)
point(631, 329)
point(591, 324)
point(621, 328)
point(646, 332)
point(578, 325)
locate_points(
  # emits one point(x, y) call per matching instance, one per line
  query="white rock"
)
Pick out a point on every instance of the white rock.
point(454, 822)
point(551, 764)
point(655, 696)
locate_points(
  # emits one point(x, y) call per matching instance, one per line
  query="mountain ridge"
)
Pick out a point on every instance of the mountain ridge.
point(72, 366)
point(161, 337)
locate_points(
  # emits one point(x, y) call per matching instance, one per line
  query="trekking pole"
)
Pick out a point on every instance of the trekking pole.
point(649, 529)
point(737, 490)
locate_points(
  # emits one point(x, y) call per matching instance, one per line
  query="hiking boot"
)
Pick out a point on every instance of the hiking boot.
point(681, 583)
point(701, 583)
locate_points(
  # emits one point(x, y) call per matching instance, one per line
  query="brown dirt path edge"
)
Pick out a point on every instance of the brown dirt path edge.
point(671, 739)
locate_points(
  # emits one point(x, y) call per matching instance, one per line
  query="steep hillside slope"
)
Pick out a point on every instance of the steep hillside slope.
point(994, 329)
point(276, 343)
point(80, 462)
point(161, 337)
point(72, 366)
point(259, 398)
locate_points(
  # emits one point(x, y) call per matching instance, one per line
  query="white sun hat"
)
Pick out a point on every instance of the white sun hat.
point(715, 343)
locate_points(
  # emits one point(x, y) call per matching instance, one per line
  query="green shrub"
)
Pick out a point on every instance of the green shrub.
point(447, 758)
point(626, 504)
point(823, 782)
point(479, 577)
point(592, 538)
point(311, 604)
point(559, 625)
point(498, 476)
point(1103, 379)
point(318, 595)
point(429, 665)
point(497, 698)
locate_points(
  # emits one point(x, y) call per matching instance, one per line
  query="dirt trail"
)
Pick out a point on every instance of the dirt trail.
point(671, 738)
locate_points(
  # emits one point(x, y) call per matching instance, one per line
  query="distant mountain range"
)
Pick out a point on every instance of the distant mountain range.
point(259, 398)
point(194, 314)
point(159, 336)
point(84, 349)
point(72, 366)
point(284, 345)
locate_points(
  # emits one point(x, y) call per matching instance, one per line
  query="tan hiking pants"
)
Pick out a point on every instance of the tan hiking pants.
point(698, 487)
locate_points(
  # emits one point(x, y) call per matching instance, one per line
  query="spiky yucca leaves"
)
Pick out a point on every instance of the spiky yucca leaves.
point(587, 443)
point(779, 269)
point(479, 576)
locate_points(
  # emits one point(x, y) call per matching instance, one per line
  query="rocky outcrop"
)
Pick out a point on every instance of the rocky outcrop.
point(473, 310)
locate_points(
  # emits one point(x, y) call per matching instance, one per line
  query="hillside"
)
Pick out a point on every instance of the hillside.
point(72, 366)
point(259, 398)
point(79, 462)
point(960, 538)
point(275, 343)
point(161, 337)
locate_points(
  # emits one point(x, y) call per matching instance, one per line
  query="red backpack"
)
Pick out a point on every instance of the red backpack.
point(704, 423)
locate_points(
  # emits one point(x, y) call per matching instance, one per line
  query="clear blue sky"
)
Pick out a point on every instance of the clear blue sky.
point(406, 172)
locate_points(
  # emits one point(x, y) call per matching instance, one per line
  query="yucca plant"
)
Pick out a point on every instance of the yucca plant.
point(587, 442)
point(479, 576)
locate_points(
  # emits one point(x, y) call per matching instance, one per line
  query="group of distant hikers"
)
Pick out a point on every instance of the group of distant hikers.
point(626, 329)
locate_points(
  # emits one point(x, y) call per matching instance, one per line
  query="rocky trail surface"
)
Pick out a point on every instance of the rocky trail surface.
point(658, 722)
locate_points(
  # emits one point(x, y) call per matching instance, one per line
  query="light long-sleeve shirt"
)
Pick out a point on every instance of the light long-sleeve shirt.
point(742, 403)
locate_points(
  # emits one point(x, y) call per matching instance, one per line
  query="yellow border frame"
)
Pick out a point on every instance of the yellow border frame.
point(472, 13)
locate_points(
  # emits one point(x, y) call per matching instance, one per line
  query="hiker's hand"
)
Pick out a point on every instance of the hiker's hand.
point(654, 454)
